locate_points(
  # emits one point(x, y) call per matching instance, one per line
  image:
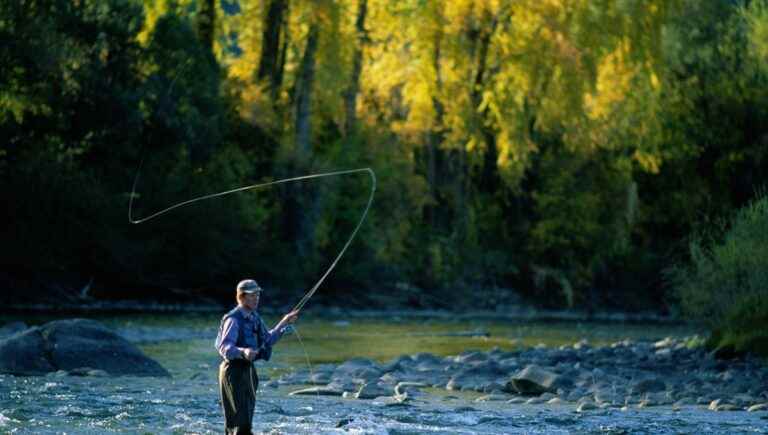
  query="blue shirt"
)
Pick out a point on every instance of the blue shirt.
point(228, 347)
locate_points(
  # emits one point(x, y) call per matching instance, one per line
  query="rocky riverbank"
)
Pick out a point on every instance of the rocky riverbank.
point(626, 374)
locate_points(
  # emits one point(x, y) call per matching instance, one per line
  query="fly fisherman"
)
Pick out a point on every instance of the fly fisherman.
point(243, 338)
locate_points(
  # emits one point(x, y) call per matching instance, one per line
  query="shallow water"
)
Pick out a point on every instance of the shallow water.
point(189, 403)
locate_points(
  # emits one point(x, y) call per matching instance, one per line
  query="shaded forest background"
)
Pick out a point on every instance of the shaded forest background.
point(562, 151)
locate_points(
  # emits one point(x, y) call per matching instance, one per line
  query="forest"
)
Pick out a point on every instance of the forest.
point(587, 154)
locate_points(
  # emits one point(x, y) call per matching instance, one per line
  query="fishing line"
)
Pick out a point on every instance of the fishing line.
point(308, 295)
point(306, 355)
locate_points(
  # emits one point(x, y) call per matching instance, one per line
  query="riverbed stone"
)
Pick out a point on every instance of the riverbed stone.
point(758, 407)
point(650, 385)
point(482, 376)
point(532, 380)
point(373, 390)
point(585, 406)
point(320, 390)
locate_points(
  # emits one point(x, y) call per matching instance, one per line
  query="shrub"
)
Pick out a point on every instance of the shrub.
point(726, 283)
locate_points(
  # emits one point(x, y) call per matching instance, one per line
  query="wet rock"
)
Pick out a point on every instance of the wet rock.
point(758, 407)
point(651, 385)
point(471, 357)
point(722, 405)
point(493, 397)
point(25, 353)
point(408, 388)
point(372, 390)
point(390, 401)
point(532, 380)
point(321, 391)
point(320, 378)
point(358, 368)
point(585, 405)
point(343, 422)
point(71, 345)
point(481, 377)
point(12, 328)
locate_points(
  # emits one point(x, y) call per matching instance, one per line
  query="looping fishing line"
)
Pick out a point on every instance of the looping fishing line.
point(308, 295)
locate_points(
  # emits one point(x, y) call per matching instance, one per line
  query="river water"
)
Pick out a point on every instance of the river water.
point(188, 402)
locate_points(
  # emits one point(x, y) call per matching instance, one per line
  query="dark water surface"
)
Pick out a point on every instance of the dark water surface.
point(189, 403)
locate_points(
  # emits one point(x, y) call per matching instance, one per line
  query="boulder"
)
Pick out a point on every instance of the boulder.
point(532, 380)
point(74, 344)
point(25, 353)
point(12, 328)
point(652, 385)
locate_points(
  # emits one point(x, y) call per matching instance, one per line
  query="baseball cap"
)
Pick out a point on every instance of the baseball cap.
point(248, 286)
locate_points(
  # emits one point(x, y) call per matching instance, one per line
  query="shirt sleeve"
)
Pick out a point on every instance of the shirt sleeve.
point(273, 335)
point(227, 348)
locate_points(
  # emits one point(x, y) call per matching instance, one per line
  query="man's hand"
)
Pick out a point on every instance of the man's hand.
point(288, 319)
point(250, 354)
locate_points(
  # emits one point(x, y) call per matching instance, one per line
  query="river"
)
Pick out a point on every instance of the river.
point(188, 402)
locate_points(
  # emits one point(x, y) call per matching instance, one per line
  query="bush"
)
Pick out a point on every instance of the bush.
point(726, 283)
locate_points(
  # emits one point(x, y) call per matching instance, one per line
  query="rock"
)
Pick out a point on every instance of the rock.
point(471, 357)
point(721, 405)
point(480, 377)
point(667, 342)
point(372, 391)
point(321, 391)
point(321, 378)
point(534, 401)
point(72, 345)
point(362, 368)
point(343, 422)
point(555, 401)
point(493, 397)
point(25, 354)
point(403, 388)
point(532, 380)
point(390, 401)
point(585, 406)
point(105, 349)
point(12, 328)
point(651, 385)
point(758, 407)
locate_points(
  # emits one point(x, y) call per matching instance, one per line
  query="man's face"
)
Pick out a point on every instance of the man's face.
point(251, 300)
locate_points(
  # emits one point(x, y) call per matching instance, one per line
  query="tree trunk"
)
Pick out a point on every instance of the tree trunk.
point(489, 177)
point(436, 136)
point(206, 23)
point(307, 216)
point(305, 82)
point(270, 64)
point(350, 94)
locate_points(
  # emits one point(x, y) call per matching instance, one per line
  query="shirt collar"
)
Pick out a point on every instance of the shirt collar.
point(250, 315)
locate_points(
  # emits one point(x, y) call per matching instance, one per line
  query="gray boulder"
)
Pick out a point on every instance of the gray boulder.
point(532, 380)
point(74, 344)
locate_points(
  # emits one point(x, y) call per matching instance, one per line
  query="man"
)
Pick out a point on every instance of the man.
point(243, 338)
